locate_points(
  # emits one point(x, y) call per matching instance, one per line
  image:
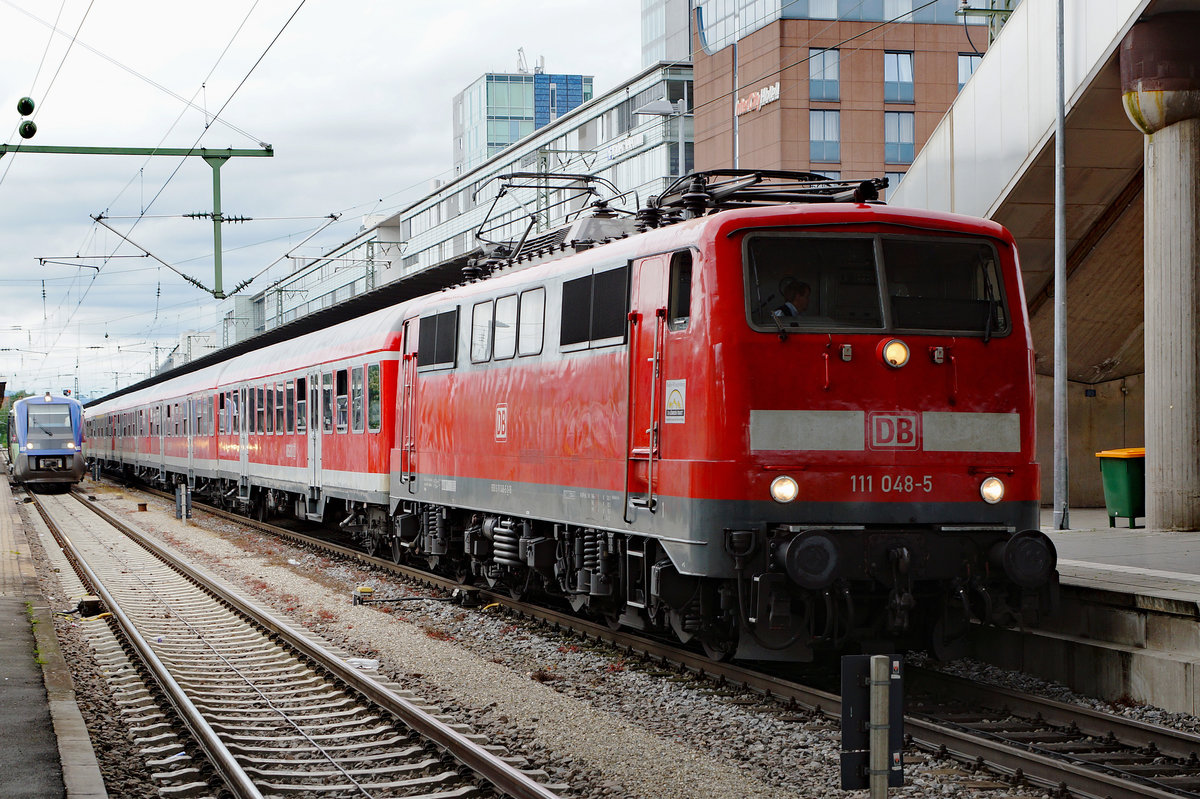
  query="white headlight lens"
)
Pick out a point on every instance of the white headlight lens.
point(895, 353)
point(70, 445)
point(784, 489)
point(992, 490)
point(29, 446)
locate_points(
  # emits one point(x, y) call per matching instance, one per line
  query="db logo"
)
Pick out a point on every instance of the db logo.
point(502, 422)
point(894, 430)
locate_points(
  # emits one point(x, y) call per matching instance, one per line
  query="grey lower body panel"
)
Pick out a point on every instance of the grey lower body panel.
point(692, 530)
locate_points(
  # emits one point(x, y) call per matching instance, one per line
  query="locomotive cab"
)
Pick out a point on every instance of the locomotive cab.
point(885, 386)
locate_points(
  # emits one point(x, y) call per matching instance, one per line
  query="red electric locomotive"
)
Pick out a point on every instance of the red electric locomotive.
point(780, 419)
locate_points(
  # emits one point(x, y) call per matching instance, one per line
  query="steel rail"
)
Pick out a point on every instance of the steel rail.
point(224, 763)
point(1020, 764)
point(504, 777)
point(1095, 723)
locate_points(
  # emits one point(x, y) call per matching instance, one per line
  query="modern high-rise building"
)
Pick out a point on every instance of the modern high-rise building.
point(502, 108)
point(845, 88)
point(666, 31)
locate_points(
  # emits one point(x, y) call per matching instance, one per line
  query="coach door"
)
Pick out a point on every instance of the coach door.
point(314, 430)
point(407, 441)
point(647, 334)
point(243, 433)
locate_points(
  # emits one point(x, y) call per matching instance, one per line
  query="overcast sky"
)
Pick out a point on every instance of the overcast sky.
point(353, 95)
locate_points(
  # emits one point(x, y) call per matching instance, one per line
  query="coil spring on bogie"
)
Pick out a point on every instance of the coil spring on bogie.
point(591, 551)
point(506, 543)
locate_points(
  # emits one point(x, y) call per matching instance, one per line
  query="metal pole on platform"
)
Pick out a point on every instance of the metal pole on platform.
point(1061, 501)
point(880, 687)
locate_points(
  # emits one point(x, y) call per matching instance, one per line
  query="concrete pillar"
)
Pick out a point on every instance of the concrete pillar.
point(1160, 82)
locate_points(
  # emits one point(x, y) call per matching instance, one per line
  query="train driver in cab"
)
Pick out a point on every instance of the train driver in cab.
point(795, 295)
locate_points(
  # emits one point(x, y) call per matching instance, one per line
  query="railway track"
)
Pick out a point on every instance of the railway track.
point(1066, 749)
point(274, 711)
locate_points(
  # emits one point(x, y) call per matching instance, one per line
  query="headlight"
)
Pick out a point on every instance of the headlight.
point(895, 353)
point(29, 446)
point(784, 489)
point(992, 490)
point(70, 445)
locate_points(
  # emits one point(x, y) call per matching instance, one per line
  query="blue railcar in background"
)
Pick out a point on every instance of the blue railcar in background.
point(45, 441)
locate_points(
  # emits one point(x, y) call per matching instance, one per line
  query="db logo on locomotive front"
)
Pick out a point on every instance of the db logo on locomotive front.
point(894, 430)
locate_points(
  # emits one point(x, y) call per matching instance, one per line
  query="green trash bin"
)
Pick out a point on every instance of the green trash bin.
point(1123, 472)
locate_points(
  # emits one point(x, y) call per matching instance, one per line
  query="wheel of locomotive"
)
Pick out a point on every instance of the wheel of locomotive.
point(519, 586)
point(397, 550)
point(718, 648)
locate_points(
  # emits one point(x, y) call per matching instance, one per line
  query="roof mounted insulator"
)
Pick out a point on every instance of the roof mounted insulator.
point(867, 191)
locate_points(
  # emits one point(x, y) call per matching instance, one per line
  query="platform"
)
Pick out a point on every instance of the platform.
point(45, 750)
point(1093, 554)
point(1128, 628)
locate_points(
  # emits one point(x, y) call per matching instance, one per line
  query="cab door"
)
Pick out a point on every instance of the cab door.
point(647, 336)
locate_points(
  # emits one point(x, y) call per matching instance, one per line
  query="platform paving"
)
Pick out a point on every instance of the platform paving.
point(45, 750)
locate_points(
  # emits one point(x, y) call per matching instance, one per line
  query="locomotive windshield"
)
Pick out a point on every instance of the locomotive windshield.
point(49, 425)
point(909, 284)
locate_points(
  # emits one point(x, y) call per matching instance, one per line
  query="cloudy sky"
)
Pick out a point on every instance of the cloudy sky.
point(353, 95)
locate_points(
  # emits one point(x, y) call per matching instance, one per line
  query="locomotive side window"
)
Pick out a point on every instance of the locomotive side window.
point(812, 281)
point(594, 309)
point(506, 327)
point(945, 286)
point(437, 339)
point(679, 302)
point(532, 322)
point(327, 401)
point(481, 332)
point(374, 403)
point(356, 399)
point(343, 400)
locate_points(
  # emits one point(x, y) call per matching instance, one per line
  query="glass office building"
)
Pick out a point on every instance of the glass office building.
point(500, 109)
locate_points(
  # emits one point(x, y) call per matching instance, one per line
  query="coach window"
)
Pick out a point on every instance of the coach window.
point(222, 413)
point(252, 411)
point(679, 302)
point(506, 327)
point(301, 404)
point(532, 322)
point(481, 332)
point(436, 341)
point(235, 412)
point(279, 407)
point(356, 398)
point(342, 395)
point(270, 428)
point(290, 391)
point(327, 402)
point(261, 410)
point(373, 399)
point(594, 310)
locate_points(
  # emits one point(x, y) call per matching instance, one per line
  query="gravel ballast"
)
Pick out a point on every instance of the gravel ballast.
point(600, 723)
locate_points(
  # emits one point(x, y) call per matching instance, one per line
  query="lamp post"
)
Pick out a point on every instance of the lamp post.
point(664, 108)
